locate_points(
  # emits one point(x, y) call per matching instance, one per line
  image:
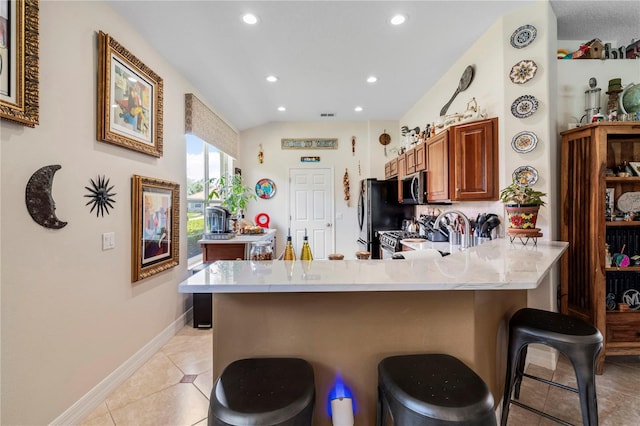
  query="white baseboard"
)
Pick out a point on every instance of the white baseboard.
point(96, 396)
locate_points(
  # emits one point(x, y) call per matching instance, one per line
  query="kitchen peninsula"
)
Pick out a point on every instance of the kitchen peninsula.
point(346, 316)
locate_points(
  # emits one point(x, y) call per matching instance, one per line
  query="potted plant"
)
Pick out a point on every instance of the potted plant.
point(232, 193)
point(522, 204)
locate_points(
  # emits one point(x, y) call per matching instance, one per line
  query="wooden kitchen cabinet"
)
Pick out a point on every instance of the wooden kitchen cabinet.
point(473, 161)
point(402, 171)
point(462, 162)
point(421, 159)
point(402, 165)
point(391, 169)
point(438, 168)
point(587, 152)
point(410, 164)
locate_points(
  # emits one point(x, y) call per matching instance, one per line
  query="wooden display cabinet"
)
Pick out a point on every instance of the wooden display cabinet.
point(588, 153)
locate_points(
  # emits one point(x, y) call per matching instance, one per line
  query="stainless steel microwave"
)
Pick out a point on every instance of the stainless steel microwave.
point(414, 188)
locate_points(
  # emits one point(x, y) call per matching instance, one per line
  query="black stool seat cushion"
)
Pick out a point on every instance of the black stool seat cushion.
point(263, 391)
point(554, 326)
point(437, 386)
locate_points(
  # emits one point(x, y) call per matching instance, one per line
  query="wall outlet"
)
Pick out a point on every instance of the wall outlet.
point(108, 240)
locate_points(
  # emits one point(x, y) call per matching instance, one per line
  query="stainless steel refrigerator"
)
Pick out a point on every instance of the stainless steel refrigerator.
point(379, 210)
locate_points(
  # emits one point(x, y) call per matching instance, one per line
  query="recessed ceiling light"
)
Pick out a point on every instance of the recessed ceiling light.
point(272, 78)
point(398, 20)
point(358, 109)
point(372, 79)
point(250, 19)
point(281, 109)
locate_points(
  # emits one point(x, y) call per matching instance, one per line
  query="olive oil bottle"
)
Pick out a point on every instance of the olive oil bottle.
point(289, 253)
point(305, 254)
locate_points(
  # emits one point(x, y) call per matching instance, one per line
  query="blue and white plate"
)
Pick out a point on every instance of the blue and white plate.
point(525, 175)
point(524, 142)
point(524, 106)
point(523, 36)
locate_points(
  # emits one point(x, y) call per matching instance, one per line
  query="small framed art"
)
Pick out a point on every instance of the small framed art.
point(155, 243)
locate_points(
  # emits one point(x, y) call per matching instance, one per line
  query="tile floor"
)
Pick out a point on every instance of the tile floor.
point(173, 388)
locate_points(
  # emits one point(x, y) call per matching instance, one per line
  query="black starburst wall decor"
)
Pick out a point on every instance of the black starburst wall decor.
point(100, 196)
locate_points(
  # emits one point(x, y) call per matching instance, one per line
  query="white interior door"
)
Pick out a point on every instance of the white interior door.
point(311, 208)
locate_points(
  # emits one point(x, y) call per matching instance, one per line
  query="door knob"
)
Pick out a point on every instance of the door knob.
point(328, 225)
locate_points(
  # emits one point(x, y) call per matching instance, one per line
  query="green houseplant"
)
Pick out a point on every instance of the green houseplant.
point(232, 193)
point(522, 204)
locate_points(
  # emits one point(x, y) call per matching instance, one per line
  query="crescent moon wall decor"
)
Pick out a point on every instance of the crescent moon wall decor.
point(40, 203)
point(100, 196)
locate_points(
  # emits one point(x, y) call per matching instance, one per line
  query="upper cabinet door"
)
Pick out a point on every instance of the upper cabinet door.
point(438, 168)
point(473, 161)
point(411, 161)
point(421, 159)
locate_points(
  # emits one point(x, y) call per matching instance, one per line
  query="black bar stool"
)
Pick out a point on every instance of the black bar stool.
point(577, 340)
point(265, 392)
point(432, 389)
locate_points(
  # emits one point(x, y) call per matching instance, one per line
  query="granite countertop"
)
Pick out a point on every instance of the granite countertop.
point(496, 265)
point(243, 238)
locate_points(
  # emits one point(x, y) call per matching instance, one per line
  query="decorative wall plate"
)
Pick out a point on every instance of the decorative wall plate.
point(523, 71)
point(523, 36)
point(265, 188)
point(524, 106)
point(525, 175)
point(524, 142)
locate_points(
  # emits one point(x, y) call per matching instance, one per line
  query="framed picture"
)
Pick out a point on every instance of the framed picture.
point(155, 243)
point(609, 201)
point(635, 166)
point(129, 99)
point(19, 65)
point(308, 143)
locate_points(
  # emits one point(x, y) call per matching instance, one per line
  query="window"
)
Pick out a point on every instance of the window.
point(204, 162)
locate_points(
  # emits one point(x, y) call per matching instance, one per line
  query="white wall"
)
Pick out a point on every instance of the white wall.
point(70, 314)
point(573, 81)
point(277, 163)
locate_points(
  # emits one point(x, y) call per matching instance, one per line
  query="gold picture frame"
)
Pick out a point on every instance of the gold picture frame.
point(155, 226)
point(130, 97)
point(19, 63)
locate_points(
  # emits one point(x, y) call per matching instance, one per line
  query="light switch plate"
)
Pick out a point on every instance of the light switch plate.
point(108, 240)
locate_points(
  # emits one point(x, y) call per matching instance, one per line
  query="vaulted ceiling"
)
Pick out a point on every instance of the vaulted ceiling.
point(323, 51)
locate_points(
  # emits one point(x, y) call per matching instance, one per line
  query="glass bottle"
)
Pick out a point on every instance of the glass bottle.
point(289, 253)
point(305, 254)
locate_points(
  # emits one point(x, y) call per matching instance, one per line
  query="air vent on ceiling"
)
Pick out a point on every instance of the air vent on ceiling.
point(327, 114)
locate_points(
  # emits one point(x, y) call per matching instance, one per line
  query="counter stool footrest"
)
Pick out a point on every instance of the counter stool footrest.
point(540, 413)
point(550, 382)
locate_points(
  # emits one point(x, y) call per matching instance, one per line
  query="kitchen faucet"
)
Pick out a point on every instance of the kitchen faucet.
point(466, 239)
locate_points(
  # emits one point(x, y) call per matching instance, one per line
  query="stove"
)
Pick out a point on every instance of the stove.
point(390, 240)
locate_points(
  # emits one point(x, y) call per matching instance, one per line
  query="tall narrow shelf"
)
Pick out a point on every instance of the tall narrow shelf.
point(587, 152)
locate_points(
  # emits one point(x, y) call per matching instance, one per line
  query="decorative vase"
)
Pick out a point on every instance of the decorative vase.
point(522, 216)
